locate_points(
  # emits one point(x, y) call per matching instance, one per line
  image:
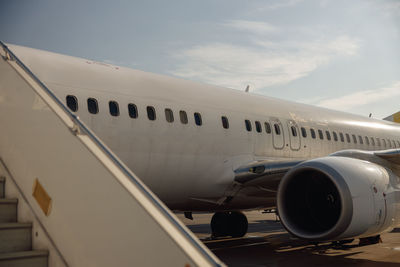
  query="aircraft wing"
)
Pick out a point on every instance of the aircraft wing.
point(264, 173)
point(392, 155)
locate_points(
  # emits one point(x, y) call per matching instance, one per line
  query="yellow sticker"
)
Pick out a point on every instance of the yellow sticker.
point(42, 198)
point(396, 117)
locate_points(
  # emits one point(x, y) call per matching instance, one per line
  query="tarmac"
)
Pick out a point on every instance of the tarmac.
point(268, 244)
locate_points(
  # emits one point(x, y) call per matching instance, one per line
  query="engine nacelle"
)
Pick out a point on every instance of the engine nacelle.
point(334, 198)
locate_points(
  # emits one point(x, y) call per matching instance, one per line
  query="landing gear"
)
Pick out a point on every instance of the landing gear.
point(341, 243)
point(370, 240)
point(346, 241)
point(230, 223)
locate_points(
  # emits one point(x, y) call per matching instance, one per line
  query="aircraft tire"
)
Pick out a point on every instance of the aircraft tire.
point(232, 223)
point(238, 224)
point(219, 224)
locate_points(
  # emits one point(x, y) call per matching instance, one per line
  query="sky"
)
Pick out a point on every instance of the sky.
point(338, 54)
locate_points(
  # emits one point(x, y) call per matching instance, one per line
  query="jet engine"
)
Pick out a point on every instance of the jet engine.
point(336, 198)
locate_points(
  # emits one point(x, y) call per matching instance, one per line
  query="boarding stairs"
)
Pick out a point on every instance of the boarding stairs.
point(16, 237)
point(75, 198)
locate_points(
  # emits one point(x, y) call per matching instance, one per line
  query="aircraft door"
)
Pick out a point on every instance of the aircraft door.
point(278, 136)
point(294, 135)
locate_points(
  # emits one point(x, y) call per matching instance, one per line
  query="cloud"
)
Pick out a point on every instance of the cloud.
point(361, 98)
point(280, 4)
point(256, 27)
point(261, 63)
point(388, 8)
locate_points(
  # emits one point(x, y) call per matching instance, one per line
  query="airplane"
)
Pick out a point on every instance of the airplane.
point(332, 176)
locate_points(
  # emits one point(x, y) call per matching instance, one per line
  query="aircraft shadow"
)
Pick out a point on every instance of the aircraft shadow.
point(283, 250)
point(259, 226)
point(275, 247)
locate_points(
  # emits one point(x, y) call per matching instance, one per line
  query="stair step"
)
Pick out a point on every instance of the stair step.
point(8, 210)
point(2, 186)
point(15, 237)
point(32, 258)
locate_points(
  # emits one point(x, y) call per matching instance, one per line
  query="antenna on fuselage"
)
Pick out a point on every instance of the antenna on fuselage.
point(247, 89)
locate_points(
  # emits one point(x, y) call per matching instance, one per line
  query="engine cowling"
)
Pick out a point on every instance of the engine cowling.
point(334, 198)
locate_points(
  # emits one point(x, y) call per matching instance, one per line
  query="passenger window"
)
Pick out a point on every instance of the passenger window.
point(258, 126)
point(354, 138)
point(348, 138)
point(72, 102)
point(114, 108)
point(341, 137)
point(335, 136)
point(225, 122)
point(183, 116)
point(384, 143)
point(93, 107)
point(321, 135)
point(372, 141)
point(267, 127)
point(389, 144)
point(328, 135)
point(197, 119)
point(277, 129)
point(366, 140)
point(248, 125)
point(169, 115)
point(378, 141)
point(393, 143)
point(312, 133)
point(360, 139)
point(398, 143)
point(151, 113)
point(303, 132)
point(132, 110)
point(294, 132)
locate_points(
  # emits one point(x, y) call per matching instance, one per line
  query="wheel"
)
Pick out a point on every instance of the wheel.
point(346, 241)
point(238, 224)
point(229, 224)
point(219, 224)
point(370, 240)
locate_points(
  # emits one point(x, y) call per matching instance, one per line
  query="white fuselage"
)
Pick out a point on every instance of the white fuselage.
point(191, 167)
